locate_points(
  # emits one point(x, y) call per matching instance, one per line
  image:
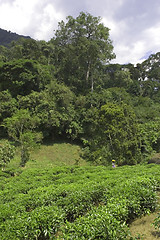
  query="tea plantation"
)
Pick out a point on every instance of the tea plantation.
point(76, 202)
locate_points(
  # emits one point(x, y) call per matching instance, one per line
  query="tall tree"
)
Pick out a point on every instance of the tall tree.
point(115, 135)
point(20, 128)
point(82, 45)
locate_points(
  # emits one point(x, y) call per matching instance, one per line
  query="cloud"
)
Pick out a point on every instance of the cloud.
point(137, 30)
point(45, 22)
point(32, 17)
point(14, 15)
point(134, 24)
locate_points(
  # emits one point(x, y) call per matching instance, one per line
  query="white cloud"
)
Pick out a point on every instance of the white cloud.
point(152, 34)
point(46, 22)
point(15, 16)
point(31, 17)
point(134, 24)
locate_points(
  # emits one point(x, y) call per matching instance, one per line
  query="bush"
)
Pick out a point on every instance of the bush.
point(157, 222)
point(41, 223)
point(99, 223)
point(7, 152)
point(76, 202)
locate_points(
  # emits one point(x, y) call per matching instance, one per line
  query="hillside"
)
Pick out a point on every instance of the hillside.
point(67, 202)
point(6, 37)
point(66, 115)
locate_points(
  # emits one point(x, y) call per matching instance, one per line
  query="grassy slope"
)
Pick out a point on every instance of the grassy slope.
point(58, 154)
point(51, 155)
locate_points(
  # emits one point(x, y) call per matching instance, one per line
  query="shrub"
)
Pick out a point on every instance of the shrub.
point(157, 222)
point(99, 223)
point(41, 223)
point(7, 152)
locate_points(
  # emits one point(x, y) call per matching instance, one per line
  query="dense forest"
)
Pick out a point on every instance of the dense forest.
point(67, 88)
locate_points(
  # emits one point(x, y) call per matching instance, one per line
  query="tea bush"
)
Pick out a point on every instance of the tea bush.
point(76, 202)
point(41, 223)
point(157, 222)
point(99, 223)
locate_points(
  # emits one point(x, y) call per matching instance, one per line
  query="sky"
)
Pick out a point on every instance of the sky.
point(134, 24)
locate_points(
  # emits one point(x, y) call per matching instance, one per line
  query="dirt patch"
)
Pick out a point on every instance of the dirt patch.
point(155, 159)
point(143, 226)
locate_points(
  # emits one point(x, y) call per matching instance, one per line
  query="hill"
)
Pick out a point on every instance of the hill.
point(6, 37)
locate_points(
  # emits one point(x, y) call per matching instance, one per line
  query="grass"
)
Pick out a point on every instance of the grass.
point(52, 155)
point(57, 154)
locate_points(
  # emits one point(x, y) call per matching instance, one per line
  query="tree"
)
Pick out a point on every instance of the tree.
point(114, 136)
point(148, 76)
point(31, 49)
point(7, 152)
point(3, 53)
point(24, 48)
point(82, 45)
point(8, 106)
point(150, 136)
point(22, 76)
point(20, 127)
point(117, 75)
point(55, 108)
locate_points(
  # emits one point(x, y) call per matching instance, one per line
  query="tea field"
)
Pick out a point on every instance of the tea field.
point(76, 202)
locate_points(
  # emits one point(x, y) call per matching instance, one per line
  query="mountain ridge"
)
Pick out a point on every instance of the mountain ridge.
point(6, 37)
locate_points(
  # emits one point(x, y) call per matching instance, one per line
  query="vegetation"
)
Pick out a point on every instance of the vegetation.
point(157, 222)
point(67, 90)
point(7, 152)
point(73, 91)
point(6, 37)
point(76, 202)
point(20, 127)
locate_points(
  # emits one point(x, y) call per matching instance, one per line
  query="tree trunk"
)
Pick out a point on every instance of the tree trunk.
point(88, 71)
point(92, 84)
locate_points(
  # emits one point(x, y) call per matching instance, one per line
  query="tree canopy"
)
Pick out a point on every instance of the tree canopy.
point(67, 88)
point(82, 45)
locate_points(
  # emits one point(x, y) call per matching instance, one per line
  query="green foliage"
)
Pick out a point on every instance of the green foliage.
point(41, 223)
point(3, 53)
point(8, 106)
point(115, 135)
point(150, 136)
point(116, 75)
point(65, 82)
point(76, 202)
point(19, 123)
point(31, 49)
point(81, 46)
point(55, 109)
point(99, 223)
point(157, 222)
point(20, 127)
point(7, 152)
point(22, 76)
